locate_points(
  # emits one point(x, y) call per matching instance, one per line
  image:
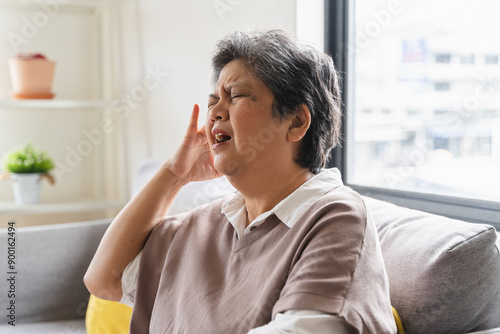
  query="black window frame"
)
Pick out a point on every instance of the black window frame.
point(338, 14)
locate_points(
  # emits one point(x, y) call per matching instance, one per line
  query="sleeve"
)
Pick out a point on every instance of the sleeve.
point(339, 269)
point(165, 229)
point(305, 322)
point(321, 273)
point(129, 280)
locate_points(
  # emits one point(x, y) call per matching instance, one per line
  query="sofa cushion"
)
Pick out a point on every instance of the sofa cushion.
point(444, 274)
point(76, 326)
point(50, 263)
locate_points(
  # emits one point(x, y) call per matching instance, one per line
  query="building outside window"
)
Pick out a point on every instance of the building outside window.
point(468, 59)
point(441, 86)
point(442, 57)
point(491, 59)
point(422, 62)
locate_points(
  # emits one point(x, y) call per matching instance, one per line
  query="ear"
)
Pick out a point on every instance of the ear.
point(300, 123)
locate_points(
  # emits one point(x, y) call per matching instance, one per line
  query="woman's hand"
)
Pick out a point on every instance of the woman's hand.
point(193, 160)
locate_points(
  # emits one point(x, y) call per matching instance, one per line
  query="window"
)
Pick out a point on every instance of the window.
point(439, 149)
point(467, 59)
point(443, 58)
point(441, 86)
point(440, 112)
point(491, 59)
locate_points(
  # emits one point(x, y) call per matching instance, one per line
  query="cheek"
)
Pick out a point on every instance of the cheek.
point(246, 128)
point(253, 121)
point(256, 138)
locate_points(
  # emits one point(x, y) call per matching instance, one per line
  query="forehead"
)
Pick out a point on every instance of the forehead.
point(235, 73)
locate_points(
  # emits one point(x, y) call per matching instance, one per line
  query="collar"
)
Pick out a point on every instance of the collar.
point(290, 209)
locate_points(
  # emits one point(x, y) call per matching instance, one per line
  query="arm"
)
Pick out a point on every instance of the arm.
point(129, 230)
point(305, 322)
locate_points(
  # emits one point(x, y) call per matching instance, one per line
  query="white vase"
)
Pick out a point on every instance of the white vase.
point(27, 187)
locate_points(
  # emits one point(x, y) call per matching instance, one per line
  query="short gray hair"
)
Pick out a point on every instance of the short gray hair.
point(296, 74)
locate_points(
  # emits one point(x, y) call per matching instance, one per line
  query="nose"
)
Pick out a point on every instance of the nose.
point(219, 112)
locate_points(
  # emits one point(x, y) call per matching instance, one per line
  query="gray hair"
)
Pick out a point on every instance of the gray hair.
point(296, 74)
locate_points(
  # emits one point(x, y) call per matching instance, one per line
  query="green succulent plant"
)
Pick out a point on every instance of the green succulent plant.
point(27, 159)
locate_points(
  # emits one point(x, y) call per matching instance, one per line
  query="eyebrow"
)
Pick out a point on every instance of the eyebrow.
point(237, 84)
point(229, 87)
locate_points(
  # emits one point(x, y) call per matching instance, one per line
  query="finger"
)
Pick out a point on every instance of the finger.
point(202, 129)
point(193, 122)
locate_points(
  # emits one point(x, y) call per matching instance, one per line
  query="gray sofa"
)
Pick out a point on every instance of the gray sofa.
point(444, 274)
point(50, 262)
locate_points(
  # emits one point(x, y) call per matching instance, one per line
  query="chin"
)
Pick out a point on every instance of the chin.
point(227, 167)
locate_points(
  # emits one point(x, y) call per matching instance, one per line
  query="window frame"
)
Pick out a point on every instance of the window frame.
point(339, 14)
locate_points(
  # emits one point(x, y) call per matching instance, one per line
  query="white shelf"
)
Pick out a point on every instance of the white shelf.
point(53, 104)
point(105, 180)
point(63, 207)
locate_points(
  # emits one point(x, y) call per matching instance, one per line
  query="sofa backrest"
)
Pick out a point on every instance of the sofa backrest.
point(444, 274)
point(50, 262)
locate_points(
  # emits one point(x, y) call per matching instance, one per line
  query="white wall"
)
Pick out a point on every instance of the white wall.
point(179, 37)
point(154, 37)
point(174, 37)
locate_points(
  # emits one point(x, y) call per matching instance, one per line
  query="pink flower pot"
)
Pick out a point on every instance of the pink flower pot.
point(32, 78)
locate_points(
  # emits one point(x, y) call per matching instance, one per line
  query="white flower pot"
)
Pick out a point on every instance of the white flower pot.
point(27, 187)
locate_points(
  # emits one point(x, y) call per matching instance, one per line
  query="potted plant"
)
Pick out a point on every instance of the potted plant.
point(26, 167)
point(32, 75)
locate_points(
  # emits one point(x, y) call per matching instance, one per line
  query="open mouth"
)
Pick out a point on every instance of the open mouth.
point(221, 138)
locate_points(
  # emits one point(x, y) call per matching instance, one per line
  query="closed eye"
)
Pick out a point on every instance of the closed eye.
point(213, 99)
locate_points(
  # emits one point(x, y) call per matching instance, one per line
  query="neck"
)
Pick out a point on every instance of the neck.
point(263, 191)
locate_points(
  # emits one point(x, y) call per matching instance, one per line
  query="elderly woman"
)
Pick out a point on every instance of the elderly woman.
point(293, 251)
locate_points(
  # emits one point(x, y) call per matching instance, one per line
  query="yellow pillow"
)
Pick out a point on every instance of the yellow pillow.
point(397, 319)
point(107, 317)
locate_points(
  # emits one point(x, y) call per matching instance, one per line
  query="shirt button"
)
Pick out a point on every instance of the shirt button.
point(253, 228)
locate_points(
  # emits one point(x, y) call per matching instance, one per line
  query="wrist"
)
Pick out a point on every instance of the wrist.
point(174, 181)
